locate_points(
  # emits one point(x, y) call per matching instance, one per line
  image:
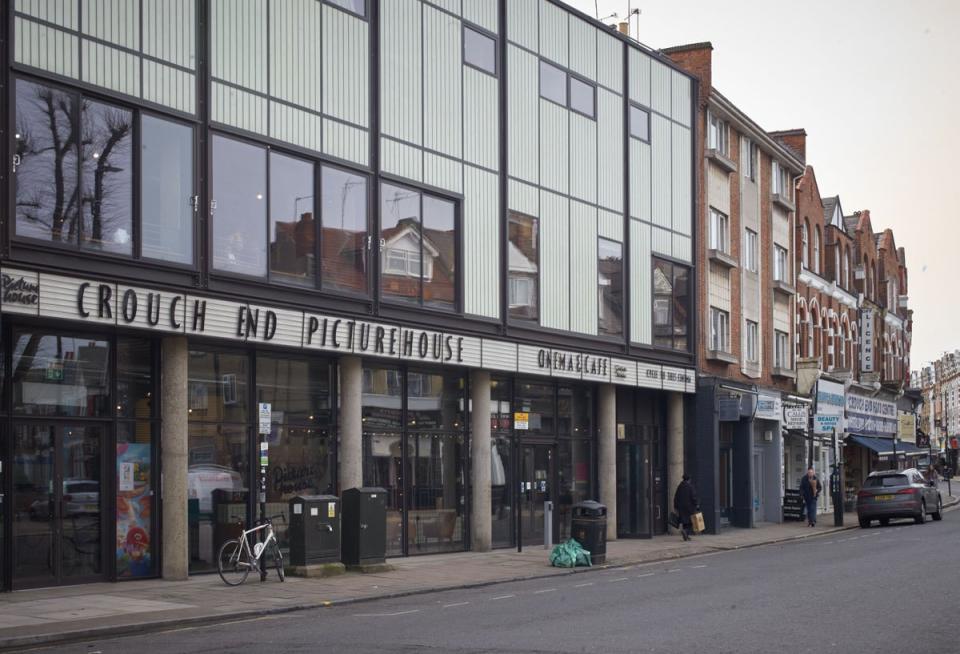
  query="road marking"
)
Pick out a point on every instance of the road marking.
point(545, 590)
point(384, 615)
point(589, 583)
point(829, 542)
point(494, 599)
point(697, 566)
point(447, 606)
point(646, 574)
point(612, 581)
point(674, 570)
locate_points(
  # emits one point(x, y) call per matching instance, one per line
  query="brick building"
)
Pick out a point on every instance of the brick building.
point(745, 342)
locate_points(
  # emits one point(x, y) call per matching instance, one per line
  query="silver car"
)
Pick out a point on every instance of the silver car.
point(890, 494)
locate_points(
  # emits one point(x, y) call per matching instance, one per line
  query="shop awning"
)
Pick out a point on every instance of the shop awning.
point(884, 446)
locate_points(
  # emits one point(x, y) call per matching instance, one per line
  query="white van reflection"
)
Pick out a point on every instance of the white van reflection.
point(80, 497)
point(203, 479)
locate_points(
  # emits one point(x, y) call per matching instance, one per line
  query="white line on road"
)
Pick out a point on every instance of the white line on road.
point(545, 590)
point(646, 574)
point(494, 599)
point(697, 566)
point(447, 606)
point(589, 583)
point(674, 570)
point(384, 615)
point(619, 579)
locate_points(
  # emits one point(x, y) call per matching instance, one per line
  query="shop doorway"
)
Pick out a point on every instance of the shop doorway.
point(57, 503)
point(536, 477)
point(634, 484)
point(758, 487)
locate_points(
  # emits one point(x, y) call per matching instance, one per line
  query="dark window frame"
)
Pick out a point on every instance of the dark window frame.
point(630, 114)
point(365, 16)
point(573, 77)
point(464, 27)
point(77, 94)
point(318, 163)
point(623, 291)
point(437, 194)
point(654, 260)
point(511, 318)
point(541, 62)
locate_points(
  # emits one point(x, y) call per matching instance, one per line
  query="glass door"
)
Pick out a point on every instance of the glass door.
point(634, 488)
point(57, 530)
point(536, 482)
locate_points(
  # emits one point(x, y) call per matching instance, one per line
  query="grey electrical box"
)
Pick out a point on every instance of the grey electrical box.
point(364, 526)
point(314, 533)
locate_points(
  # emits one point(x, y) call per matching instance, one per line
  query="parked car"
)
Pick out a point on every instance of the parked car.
point(890, 494)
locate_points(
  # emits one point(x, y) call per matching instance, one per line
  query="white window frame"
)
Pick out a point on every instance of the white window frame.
point(779, 181)
point(718, 135)
point(752, 340)
point(805, 243)
point(719, 231)
point(781, 349)
point(719, 330)
point(751, 250)
point(816, 251)
point(781, 266)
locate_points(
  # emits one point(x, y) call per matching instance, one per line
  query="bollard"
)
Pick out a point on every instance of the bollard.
point(547, 525)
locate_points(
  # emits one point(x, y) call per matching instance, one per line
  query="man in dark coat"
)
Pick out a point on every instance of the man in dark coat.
point(685, 503)
point(809, 492)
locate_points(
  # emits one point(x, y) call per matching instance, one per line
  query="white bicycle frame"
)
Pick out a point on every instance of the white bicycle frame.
point(258, 548)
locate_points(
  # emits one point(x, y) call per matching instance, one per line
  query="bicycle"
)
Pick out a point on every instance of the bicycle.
point(236, 559)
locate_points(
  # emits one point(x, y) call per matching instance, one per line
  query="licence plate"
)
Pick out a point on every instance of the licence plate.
point(883, 498)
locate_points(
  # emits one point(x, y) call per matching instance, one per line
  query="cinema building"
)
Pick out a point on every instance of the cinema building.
point(442, 248)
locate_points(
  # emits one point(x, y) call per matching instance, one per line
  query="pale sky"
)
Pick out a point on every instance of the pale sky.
point(876, 84)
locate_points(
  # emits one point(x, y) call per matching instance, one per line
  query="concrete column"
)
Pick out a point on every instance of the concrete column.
point(674, 446)
point(350, 452)
point(173, 440)
point(481, 530)
point(607, 454)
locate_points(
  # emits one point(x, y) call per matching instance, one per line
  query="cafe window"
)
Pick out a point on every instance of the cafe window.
point(671, 305)
point(418, 236)
point(610, 286)
point(77, 164)
point(524, 266)
point(537, 401)
point(268, 229)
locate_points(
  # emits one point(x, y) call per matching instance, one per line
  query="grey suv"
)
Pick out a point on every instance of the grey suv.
point(898, 494)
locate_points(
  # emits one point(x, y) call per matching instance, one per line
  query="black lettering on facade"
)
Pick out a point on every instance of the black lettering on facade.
point(129, 305)
point(270, 325)
point(174, 323)
point(333, 335)
point(460, 349)
point(447, 348)
point(199, 315)
point(312, 326)
point(378, 340)
point(364, 337)
point(407, 349)
point(105, 295)
point(423, 344)
point(437, 349)
point(350, 325)
point(153, 309)
point(393, 341)
point(19, 291)
point(80, 293)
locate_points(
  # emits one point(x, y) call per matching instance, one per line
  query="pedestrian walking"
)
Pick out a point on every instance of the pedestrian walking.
point(685, 503)
point(810, 491)
point(932, 475)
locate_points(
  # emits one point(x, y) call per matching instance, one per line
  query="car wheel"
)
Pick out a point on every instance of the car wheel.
point(884, 522)
point(922, 516)
point(938, 514)
point(864, 523)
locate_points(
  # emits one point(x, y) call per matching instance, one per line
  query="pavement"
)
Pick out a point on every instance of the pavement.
point(91, 611)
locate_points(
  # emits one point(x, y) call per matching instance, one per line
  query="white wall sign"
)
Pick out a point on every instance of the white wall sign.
point(769, 407)
point(795, 416)
point(866, 340)
point(265, 415)
point(73, 298)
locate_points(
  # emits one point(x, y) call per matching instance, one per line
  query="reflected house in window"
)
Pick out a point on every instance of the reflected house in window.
point(662, 299)
point(412, 253)
point(293, 243)
point(523, 282)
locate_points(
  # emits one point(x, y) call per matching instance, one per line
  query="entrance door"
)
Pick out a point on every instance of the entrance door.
point(726, 483)
point(634, 502)
point(536, 487)
point(758, 491)
point(57, 526)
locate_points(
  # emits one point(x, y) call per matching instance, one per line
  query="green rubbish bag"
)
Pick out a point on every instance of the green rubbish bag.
point(569, 555)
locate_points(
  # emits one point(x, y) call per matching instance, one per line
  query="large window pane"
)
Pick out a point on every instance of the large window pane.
point(574, 470)
point(107, 178)
point(681, 306)
point(217, 386)
point(166, 187)
point(400, 234)
point(439, 253)
point(59, 375)
point(382, 398)
point(298, 390)
point(344, 235)
point(292, 230)
point(239, 220)
point(575, 411)
point(358, 7)
point(639, 123)
point(523, 258)
point(134, 378)
point(217, 488)
point(553, 83)
point(582, 97)
point(382, 468)
point(479, 50)
point(610, 281)
point(435, 401)
point(662, 304)
point(537, 400)
point(435, 521)
point(47, 198)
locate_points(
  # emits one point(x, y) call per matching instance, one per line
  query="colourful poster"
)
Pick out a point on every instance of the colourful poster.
point(134, 510)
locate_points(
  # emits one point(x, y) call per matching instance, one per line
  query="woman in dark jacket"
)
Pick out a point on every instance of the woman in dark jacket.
point(685, 503)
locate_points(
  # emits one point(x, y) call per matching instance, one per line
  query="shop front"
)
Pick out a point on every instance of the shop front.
point(119, 380)
point(767, 455)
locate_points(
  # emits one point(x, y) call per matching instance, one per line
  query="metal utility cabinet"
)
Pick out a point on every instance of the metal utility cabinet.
point(314, 532)
point(364, 526)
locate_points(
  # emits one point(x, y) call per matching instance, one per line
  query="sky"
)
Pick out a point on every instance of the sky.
point(875, 85)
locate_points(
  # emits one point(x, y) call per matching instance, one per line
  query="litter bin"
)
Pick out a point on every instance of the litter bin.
point(314, 532)
point(589, 527)
point(364, 526)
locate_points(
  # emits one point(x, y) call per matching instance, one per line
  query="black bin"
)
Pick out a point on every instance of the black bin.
point(364, 526)
point(589, 527)
point(314, 533)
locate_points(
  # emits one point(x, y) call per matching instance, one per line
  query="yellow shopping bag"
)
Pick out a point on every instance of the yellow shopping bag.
point(697, 520)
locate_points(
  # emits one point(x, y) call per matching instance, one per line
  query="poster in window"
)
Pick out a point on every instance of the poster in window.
point(134, 511)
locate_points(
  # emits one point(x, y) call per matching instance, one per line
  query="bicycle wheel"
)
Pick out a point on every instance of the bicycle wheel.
point(278, 560)
point(232, 563)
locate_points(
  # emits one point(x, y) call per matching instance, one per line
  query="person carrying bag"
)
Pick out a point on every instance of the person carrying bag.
point(686, 504)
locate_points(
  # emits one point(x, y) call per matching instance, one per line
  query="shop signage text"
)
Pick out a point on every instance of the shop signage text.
point(866, 340)
point(569, 362)
point(829, 407)
point(795, 416)
point(907, 427)
point(19, 291)
point(769, 407)
point(869, 416)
